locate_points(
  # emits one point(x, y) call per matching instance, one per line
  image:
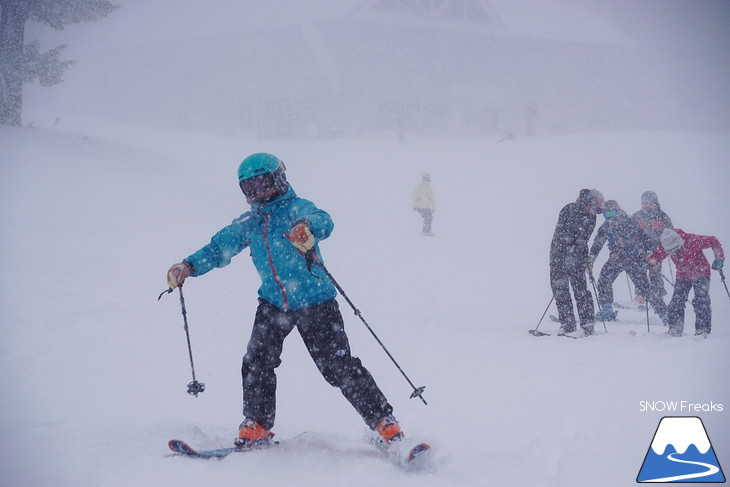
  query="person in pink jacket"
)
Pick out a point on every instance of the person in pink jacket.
point(693, 272)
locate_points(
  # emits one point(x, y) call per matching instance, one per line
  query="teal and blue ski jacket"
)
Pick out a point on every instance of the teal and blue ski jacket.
point(286, 280)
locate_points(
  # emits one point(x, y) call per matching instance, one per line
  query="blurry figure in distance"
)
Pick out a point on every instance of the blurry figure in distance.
point(424, 203)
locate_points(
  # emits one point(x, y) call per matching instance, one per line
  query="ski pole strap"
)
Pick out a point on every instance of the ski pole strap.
point(167, 291)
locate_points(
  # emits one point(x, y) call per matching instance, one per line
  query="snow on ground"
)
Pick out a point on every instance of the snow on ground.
point(95, 368)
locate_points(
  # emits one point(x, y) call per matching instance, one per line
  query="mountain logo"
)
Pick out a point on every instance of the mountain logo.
point(681, 452)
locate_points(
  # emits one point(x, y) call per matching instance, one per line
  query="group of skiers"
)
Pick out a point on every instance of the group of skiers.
point(637, 246)
point(282, 232)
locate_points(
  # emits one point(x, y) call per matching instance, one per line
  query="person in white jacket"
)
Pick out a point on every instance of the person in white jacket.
point(425, 203)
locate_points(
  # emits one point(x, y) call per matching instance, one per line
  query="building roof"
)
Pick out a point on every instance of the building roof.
point(539, 19)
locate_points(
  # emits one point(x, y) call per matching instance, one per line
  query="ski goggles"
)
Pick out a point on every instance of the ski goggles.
point(674, 249)
point(259, 184)
point(610, 214)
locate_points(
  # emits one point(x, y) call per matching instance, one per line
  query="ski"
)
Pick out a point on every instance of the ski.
point(555, 319)
point(419, 452)
point(405, 452)
point(570, 336)
point(408, 455)
point(634, 307)
point(183, 449)
point(543, 334)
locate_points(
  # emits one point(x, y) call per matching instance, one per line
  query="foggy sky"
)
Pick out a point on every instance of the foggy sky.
point(684, 42)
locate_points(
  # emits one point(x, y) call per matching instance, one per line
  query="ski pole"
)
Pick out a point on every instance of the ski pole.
point(722, 277)
point(534, 332)
point(667, 279)
point(593, 282)
point(194, 387)
point(628, 283)
point(648, 291)
point(417, 391)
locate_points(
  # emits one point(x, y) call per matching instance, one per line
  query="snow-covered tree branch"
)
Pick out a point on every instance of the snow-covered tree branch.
point(21, 62)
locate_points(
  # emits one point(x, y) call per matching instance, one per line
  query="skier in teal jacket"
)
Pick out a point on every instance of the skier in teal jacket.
point(282, 232)
point(287, 281)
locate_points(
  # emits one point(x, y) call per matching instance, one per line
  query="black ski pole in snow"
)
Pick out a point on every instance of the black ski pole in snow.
point(648, 282)
point(194, 387)
point(539, 333)
point(722, 277)
point(417, 391)
point(667, 279)
point(593, 282)
point(628, 283)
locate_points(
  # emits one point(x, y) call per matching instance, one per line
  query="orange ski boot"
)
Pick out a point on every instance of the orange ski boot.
point(389, 429)
point(251, 434)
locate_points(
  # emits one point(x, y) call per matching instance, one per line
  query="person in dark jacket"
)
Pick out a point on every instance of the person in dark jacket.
point(628, 245)
point(569, 260)
point(653, 221)
point(282, 232)
point(693, 272)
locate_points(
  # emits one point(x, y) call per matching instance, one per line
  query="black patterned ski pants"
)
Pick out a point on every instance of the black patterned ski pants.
point(701, 303)
point(322, 330)
point(610, 271)
point(567, 273)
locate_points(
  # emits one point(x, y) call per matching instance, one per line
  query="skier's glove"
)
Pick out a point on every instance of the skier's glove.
point(177, 274)
point(717, 264)
point(301, 237)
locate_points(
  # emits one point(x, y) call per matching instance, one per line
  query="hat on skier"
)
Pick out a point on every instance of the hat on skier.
point(593, 199)
point(649, 199)
point(611, 209)
point(262, 178)
point(671, 240)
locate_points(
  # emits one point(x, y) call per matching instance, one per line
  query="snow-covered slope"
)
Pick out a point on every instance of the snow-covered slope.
point(94, 367)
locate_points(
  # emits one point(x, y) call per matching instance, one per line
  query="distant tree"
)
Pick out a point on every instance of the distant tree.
point(21, 62)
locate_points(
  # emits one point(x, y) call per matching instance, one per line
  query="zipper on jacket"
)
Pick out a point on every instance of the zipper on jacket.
point(271, 262)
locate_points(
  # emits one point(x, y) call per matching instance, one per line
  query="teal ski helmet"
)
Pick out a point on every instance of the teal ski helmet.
point(262, 177)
